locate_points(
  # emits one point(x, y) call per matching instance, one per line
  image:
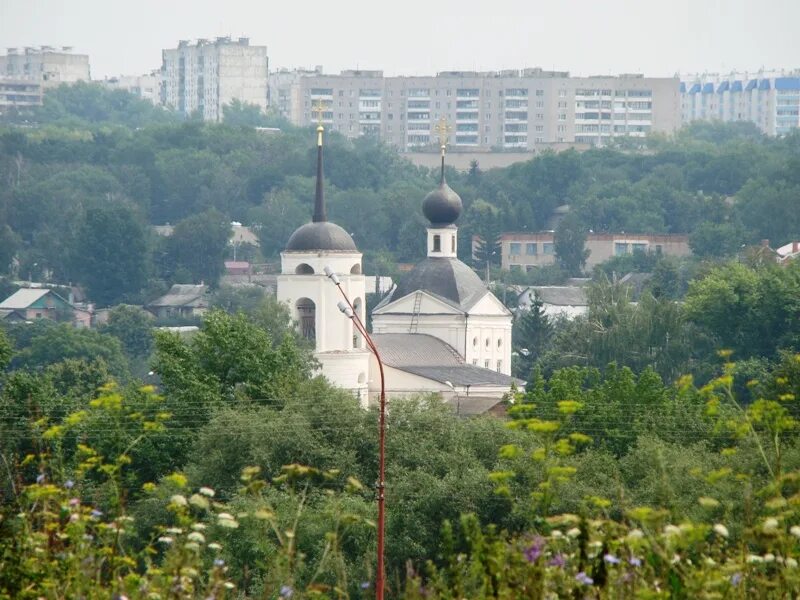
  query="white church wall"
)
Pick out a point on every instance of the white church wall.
point(489, 341)
point(347, 370)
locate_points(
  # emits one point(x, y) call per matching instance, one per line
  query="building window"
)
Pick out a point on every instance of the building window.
point(515, 248)
point(499, 342)
point(488, 342)
point(499, 365)
point(547, 248)
point(486, 364)
point(531, 249)
point(475, 342)
point(437, 243)
point(620, 248)
point(475, 361)
point(453, 244)
point(306, 312)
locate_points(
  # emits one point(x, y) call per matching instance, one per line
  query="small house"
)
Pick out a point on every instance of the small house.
point(30, 304)
point(182, 301)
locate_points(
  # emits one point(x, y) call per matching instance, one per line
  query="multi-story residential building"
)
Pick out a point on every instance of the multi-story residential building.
point(527, 251)
point(506, 110)
point(47, 65)
point(207, 75)
point(19, 93)
point(771, 100)
point(147, 87)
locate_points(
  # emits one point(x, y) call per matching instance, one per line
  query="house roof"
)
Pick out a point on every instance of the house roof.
point(183, 295)
point(787, 83)
point(24, 297)
point(432, 358)
point(736, 86)
point(560, 295)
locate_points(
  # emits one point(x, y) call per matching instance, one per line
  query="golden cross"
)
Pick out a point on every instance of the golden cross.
point(442, 128)
point(319, 108)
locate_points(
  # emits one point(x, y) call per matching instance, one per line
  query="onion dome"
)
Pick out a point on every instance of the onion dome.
point(442, 206)
point(320, 234)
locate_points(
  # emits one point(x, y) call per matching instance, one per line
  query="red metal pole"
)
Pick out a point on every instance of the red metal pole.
point(381, 574)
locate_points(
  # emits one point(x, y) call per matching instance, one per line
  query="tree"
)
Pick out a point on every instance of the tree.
point(569, 242)
point(198, 246)
point(533, 332)
point(49, 343)
point(111, 254)
point(486, 226)
point(133, 327)
point(715, 240)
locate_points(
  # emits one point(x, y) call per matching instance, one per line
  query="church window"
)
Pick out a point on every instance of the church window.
point(499, 342)
point(486, 364)
point(488, 341)
point(437, 243)
point(307, 317)
point(499, 365)
point(475, 361)
point(304, 269)
point(452, 244)
point(475, 341)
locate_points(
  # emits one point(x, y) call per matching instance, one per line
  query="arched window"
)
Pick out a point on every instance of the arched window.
point(304, 269)
point(358, 306)
point(356, 270)
point(437, 243)
point(307, 318)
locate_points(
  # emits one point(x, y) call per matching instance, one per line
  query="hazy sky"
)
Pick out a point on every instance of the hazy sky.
point(656, 37)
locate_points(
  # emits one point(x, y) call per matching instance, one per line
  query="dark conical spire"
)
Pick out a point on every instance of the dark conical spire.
point(320, 216)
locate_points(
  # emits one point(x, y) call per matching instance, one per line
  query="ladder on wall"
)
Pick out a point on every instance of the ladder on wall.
point(412, 328)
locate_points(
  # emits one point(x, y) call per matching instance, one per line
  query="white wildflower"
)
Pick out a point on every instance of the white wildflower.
point(670, 530)
point(207, 491)
point(721, 530)
point(635, 534)
point(791, 563)
point(770, 525)
point(795, 530)
point(178, 500)
point(196, 536)
point(574, 532)
point(769, 557)
point(754, 559)
point(165, 539)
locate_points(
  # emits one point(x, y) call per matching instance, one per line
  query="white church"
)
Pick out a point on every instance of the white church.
point(439, 330)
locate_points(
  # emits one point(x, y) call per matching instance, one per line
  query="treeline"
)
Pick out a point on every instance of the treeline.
point(92, 166)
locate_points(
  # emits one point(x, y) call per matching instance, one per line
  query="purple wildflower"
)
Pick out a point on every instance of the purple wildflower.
point(736, 578)
point(636, 562)
point(534, 551)
point(40, 478)
point(96, 513)
point(365, 585)
point(584, 578)
point(557, 561)
point(69, 484)
point(286, 591)
point(218, 562)
point(74, 501)
point(611, 559)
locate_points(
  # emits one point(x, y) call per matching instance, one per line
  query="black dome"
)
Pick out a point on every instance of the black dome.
point(321, 235)
point(448, 278)
point(442, 206)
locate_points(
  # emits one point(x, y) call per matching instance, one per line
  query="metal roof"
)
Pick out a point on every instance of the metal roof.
point(736, 86)
point(23, 298)
point(695, 88)
point(708, 88)
point(432, 358)
point(723, 87)
point(182, 295)
point(559, 295)
point(764, 85)
point(404, 349)
point(448, 279)
point(751, 85)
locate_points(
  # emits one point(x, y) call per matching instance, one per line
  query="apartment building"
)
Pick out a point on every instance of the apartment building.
point(771, 100)
point(47, 65)
point(524, 110)
point(19, 93)
point(147, 87)
point(207, 75)
point(527, 251)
